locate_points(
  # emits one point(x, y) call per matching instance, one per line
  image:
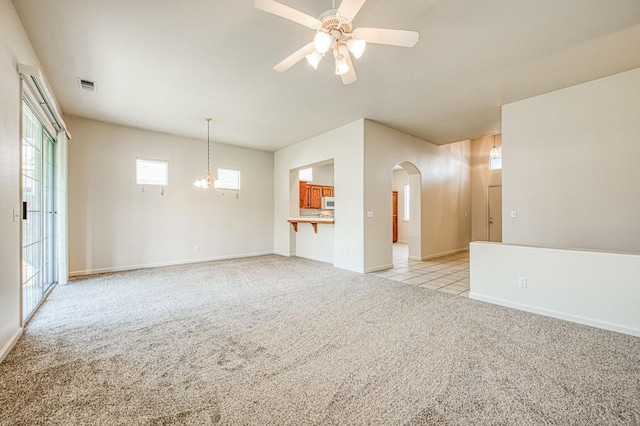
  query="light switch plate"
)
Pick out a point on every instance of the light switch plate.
point(514, 213)
point(369, 214)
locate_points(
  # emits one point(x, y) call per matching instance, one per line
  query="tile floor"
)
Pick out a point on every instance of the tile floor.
point(449, 274)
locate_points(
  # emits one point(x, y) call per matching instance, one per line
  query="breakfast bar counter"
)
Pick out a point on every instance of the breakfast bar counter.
point(313, 220)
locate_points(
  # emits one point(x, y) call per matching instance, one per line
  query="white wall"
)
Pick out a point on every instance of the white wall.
point(113, 225)
point(323, 175)
point(400, 179)
point(570, 170)
point(14, 48)
point(445, 195)
point(318, 246)
point(344, 146)
point(481, 179)
point(571, 167)
point(593, 288)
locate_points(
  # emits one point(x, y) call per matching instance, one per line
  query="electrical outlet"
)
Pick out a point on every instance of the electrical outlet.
point(522, 282)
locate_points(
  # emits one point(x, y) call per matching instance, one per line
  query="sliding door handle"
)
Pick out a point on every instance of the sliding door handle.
point(25, 207)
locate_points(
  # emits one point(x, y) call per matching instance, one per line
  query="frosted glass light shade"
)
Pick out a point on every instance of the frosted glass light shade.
point(322, 41)
point(204, 182)
point(357, 46)
point(314, 59)
point(341, 65)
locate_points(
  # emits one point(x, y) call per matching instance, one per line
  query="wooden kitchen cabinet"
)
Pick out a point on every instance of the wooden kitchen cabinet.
point(316, 196)
point(311, 195)
point(304, 195)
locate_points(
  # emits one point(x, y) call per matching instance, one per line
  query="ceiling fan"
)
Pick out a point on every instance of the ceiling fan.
point(334, 31)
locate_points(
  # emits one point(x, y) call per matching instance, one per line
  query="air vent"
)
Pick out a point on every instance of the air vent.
point(87, 84)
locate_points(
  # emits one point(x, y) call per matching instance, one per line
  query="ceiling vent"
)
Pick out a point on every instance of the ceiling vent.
point(87, 84)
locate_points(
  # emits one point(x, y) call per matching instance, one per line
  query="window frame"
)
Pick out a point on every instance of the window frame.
point(217, 183)
point(146, 179)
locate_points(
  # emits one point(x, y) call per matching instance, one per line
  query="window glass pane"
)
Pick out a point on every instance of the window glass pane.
point(306, 175)
point(406, 203)
point(152, 172)
point(228, 179)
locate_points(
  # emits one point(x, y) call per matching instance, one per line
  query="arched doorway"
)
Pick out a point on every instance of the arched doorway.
point(406, 213)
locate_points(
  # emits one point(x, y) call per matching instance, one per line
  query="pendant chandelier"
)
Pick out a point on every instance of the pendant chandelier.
point(207, 181)
point(494, 153)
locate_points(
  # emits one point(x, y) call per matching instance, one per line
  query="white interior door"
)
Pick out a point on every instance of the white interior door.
point(495, 214)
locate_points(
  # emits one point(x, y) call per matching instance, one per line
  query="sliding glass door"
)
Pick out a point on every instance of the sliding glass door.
point(38, 221)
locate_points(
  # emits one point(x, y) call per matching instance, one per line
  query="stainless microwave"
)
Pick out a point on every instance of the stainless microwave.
point(328, 203)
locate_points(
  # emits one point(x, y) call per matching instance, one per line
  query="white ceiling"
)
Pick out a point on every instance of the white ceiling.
point(165, 65)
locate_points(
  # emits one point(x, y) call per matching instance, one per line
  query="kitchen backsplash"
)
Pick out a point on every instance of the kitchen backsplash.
point(315, 212)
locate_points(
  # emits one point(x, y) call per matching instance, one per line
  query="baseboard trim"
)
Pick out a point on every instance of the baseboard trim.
point(160, 264)
point(10, 344)
point(446, 253)
point(378, 268)
point(557, 314)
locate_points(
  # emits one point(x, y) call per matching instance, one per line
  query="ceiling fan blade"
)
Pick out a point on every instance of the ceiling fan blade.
point(386, 36)
point(350, 76)
point(295, 57)
point(287, 12)
point(349, 8)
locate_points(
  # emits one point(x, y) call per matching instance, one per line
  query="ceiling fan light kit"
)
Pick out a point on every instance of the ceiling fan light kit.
point(334, 31)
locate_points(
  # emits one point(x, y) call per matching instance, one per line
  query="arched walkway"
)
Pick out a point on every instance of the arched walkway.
point(407, 212)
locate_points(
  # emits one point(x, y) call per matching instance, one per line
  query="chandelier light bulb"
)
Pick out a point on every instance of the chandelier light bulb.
point(322, 41)
point(204, 182)
point(314, 59)
point(493, 154)
point(357, 46)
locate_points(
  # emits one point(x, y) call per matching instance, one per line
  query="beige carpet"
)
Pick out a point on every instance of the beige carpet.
point(278, 341)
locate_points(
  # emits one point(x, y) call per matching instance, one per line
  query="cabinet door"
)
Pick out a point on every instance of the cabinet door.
point(316, 197)
point(304, 195)
point(327, 191)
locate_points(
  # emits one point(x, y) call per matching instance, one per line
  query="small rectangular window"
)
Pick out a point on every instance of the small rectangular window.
point(228, 179)
point(306, 175)
point(406, 203)
point(152, 172)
